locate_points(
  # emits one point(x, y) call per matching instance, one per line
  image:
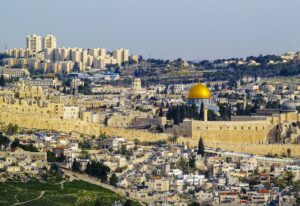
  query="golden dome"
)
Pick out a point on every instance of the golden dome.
point(199, 91)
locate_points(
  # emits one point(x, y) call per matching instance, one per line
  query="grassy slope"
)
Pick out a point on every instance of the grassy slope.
point(73, 193)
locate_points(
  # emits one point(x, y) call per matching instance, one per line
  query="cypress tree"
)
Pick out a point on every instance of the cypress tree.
point(193, 112)
point(161, 114)
point(88, 169)
point(201, 147)
point(182, 112)
point(187, 111)
point(177, 119)
point(2, 81)
point(201, 115)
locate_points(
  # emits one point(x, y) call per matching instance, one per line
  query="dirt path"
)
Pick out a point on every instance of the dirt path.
point(61, 184)
point(40, 196)
point(16, 196)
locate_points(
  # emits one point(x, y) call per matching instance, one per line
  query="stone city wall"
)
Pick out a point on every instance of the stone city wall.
point(251, 148)
point(57, 124)
point(259, 149)
point(227, 131)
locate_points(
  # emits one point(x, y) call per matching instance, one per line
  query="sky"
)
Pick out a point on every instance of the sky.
point(166, 29)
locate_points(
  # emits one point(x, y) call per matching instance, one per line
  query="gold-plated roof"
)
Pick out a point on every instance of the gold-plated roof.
point(199, 91)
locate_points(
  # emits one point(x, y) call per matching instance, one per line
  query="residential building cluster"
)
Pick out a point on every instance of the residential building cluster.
point(42, 55)
point(161, 174)
point(21, 161)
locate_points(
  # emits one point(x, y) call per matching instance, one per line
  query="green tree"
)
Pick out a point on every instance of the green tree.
point(178, 116)
point(129, 203)
point(289, 151)
point(99, 170)
point(102, 136)
point(29, 148)
point(192, 162)
point(99, 202)
point(113, 180)
point(54, 169)
point(243, 191)
point(51, 156)
point(61, 158)
point(288, 178)
point(211, 116)
point(4, 140)
point(160, 113)
point(2, 81)
point(15, 143)
point(88, 168)
point(137, 141)
point(225, 111)
point(12, 129)
point(75, 166)
point(201, 147)
point(182, 112)
point(183, 164)
point(84, 154)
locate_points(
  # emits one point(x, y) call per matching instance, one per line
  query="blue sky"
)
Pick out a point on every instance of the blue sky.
point(191, 29)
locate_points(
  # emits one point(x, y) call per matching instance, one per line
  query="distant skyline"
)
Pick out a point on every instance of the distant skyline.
point(168, 29)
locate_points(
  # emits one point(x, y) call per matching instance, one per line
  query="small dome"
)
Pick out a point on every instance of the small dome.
point(288, 106)
point(199, 91)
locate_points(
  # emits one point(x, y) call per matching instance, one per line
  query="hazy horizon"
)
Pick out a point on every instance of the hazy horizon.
point(193, 29)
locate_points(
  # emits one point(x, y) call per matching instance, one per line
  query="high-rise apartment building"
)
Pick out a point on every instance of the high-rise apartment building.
point(125, 55)
point(121, 55)
point(97, 52)
point(117, 54)
point(34, 42)
point(49, 42)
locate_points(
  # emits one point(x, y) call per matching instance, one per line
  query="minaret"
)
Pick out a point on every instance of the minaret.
point(137, 85)
point(245, 103)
